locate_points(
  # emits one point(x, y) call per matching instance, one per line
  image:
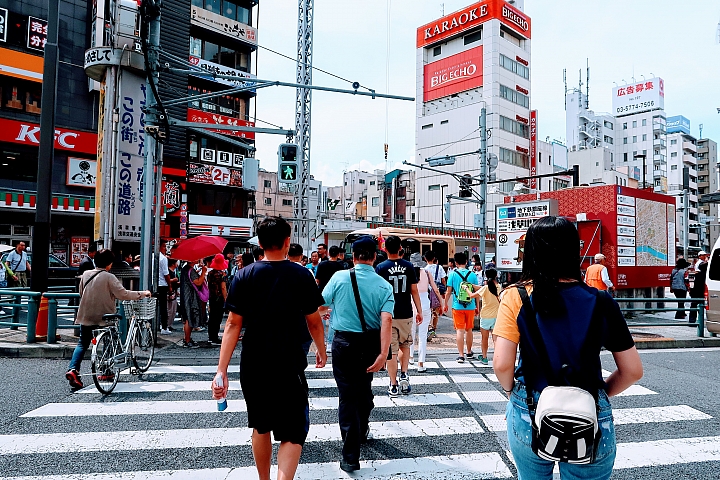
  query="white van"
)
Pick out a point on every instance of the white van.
point(712, 290)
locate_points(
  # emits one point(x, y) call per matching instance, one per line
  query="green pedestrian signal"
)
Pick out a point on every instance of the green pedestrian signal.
point(288, 164)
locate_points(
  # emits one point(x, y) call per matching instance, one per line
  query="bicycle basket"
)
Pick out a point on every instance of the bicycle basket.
point(141, 309)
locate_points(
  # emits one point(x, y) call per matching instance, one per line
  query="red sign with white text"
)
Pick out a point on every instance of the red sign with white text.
point(470, 17)
point(533, 148)
point(207, 117)
point(26, 133)
point(454, 74)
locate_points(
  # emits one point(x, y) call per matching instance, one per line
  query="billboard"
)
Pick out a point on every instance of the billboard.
point(678, 123)
point(218, 69)
point(639, 97)
point(223, 25)
point(213, 175)
point(533, 148)
point(200, 116)
point(454, 74)
point(512, 222)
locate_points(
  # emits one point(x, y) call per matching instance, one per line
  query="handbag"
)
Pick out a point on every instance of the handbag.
point(371, 337)
point(564, 419)
point(434, 300)
point(203, 292)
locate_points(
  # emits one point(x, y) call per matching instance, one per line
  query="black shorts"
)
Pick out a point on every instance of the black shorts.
point(278, 405)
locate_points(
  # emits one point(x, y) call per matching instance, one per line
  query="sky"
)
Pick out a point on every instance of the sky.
point(621, 39)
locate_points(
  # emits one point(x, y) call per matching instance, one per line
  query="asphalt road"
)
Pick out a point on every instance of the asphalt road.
point(450, 427)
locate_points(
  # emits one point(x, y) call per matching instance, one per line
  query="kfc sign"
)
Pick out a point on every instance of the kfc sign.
point(471, 17)
point(29, 134)
point(453, 74)
point(639, 97)
point(213, 118)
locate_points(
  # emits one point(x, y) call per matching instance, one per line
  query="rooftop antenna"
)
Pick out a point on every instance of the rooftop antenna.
point(580, 85)
point(587, 86)
point(701, 127)
point(565, 82)
point(442, 8)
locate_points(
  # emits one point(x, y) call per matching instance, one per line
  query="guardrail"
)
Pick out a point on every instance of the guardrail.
point(696, 304)
point(54, 307)
point(16, 305)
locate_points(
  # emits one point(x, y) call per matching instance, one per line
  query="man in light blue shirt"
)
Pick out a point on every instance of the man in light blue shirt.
point(360, 344)
point(17, 261)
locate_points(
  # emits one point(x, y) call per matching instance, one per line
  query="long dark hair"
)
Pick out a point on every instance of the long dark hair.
point(491, 275)
point(552, 252)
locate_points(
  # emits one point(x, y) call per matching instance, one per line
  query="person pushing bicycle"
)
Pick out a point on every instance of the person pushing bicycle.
point(98, 291)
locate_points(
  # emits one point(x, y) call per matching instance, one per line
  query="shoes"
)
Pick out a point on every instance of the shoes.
point(412, 360)
point(422, 369)
point(74, 378)
point(483, 360)
point(404, 382)
point(199, 329)
point(348, 466)
point(190, 344)
point(106, 377)
point(165, 331)
point(461, 359)
point(217, 341)
point(470, 354)
point(431, 333)
point(393, 391)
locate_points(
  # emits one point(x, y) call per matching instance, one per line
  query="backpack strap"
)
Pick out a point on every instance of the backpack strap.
point(358, 302)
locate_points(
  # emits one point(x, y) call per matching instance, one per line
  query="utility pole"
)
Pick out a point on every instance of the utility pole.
point(686, 210)
point(483, 182)
point(46, 154)
point(302, 116)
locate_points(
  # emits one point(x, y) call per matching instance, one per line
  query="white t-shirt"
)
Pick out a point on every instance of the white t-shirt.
point(436, 267)
point(163, 268)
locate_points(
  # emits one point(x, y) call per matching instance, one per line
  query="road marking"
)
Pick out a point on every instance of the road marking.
point(216, 437)
point(210, 406)
point(633, 390)
point(623, 416)
point(451, 365)
point(668, 452)
point(492, 377)
point(468, 378)
point(458, 467)
point(383, 381)
point(212, 369)
point(484, 396)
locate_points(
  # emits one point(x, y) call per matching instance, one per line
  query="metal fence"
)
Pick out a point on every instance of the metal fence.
point(696, 304)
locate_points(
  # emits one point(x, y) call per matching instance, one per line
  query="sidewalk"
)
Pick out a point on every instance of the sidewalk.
point(12, 342)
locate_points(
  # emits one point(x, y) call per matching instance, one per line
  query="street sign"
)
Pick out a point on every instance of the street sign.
point(446, 212)
point(477, 221)
point(441, 161)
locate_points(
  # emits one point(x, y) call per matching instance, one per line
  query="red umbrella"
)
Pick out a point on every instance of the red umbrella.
point(196, 248)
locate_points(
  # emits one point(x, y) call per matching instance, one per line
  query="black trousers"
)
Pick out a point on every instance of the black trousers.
point(162, 295)
point(680, 294)
point(352, 354)
point(217, 310)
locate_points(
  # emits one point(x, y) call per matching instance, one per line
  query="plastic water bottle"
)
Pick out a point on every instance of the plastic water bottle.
point(222, 403)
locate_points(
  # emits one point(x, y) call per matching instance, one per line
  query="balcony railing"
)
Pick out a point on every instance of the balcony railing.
point(689, 146)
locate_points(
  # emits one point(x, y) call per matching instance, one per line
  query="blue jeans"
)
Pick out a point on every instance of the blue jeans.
point(329, 331)
point(86, 335)
point(532, 467)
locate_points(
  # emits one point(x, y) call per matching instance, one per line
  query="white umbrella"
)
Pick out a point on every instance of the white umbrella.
point(7, 248)
point(254, 241)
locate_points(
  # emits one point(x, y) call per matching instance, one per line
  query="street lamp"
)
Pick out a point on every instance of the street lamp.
point(643, 156)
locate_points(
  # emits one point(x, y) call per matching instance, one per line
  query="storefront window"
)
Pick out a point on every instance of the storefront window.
point(243, 15)
point(230, 10)
point(213, 6)
point(195, 47)
point(210, 52)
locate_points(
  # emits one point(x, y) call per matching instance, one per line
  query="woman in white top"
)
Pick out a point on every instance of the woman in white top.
point(420, 331)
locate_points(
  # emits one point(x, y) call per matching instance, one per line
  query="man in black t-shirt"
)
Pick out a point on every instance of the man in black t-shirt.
point(325, 271)
point(401, 276)
point(276, 301)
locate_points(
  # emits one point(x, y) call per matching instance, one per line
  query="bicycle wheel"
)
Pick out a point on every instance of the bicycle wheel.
point(143, 346)
point(105, 372)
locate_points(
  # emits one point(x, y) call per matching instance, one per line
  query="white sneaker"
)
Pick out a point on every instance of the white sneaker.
point(411, 361)
point(165, 332)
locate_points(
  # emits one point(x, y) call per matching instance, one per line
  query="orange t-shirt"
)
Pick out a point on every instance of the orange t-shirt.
point(506, 322)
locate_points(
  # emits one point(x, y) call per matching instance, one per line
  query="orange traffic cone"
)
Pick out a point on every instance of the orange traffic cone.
point(41, 325)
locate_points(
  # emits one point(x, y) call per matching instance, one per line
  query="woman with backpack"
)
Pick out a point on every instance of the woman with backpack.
point(559, 409)
point(488, 294)
point(679, 285)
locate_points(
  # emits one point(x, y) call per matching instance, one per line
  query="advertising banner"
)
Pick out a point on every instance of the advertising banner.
point(81, 172)
point(131, 158)
point(454, 74)
point(533, 148)
point(639, 97)
point(218, 69)
point(37, 33)
point(78, 249)
point(60, 250)
point(512, 223)
point(223, 25)
point(678, 123)
point(214, 118)
point(214, 175)
point(171, 196)
point(3, 24)
point(26, 133)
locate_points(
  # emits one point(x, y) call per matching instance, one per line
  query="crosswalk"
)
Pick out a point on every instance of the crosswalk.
point(166, 427)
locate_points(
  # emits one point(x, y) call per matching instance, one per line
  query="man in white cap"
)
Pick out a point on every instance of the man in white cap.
point(597, 275)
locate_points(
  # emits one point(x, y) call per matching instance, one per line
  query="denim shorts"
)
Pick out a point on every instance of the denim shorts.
point(532, 467)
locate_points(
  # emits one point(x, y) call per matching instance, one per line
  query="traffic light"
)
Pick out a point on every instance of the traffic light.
point(288, 164)
point(576, 175)
point(465, 186)
point(446, 211)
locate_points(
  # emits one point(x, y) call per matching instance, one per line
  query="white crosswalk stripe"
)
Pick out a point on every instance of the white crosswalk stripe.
point(451, 406)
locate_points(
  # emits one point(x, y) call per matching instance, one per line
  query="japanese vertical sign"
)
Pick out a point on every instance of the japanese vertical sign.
point(130, 158)
point(37, 33)
point(533, 148)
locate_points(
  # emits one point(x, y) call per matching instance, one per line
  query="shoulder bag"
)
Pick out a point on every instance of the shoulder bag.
point(371, 337)
point(203, 292)
point(441, 287)
point(564, 419)
point(434, 300)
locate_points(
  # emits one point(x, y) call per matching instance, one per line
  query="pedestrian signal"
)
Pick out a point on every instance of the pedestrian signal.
point(288, 164)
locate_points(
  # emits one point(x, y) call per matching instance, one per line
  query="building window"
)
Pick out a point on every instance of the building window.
point(514, 66)
point(673, 167)
point(400, 217)
point(634, 138)
point(673, 142)
point(444, 122)
point(514, 158)
point(437, 51)
point(644, 137)
point(625, 126)
point(287, 202)
point(644, 122)
point(429, 125)
point(362, 181)
point(375, 201)
point(389, 200)
point(609, 125)
point(372, 182)
point(634, 123)
point(267, 184)
point(673, 154)
point(608, 140)
point(268, 201)
point(625, 141)
point(515, 127)
point(473, 37)
point(433, 188)
point(514, 96)
point(625, 155)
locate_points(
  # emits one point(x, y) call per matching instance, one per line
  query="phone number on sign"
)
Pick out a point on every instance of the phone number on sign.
point(636, 106)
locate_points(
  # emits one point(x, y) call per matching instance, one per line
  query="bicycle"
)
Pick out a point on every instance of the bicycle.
point(110, 356)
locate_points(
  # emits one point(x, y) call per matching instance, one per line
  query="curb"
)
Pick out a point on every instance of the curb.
point(699, 342)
